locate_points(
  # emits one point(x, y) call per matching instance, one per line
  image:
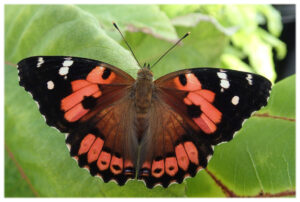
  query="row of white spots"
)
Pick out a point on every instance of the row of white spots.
point(40, 62)
point(249, 79)
point(64, 70)
point(224, 83)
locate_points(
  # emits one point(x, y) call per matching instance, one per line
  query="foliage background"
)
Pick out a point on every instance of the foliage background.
point(259, 161)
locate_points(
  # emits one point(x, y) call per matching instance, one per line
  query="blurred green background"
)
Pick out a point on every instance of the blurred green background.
point(259, 161)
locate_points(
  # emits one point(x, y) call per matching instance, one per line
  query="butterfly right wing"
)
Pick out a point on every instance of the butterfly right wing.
point(192, 111)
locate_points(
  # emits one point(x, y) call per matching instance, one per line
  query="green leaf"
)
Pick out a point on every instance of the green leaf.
point(245, 165)
point(60, 30)
point(282, 102)
point(232, 62)
point(255, 44)
point(15, 185)
point(279, 46)
point(203, 186)
point(179, 9)
point(259, 53)
point(261, 157)
point(202, 48)
point(144, 18)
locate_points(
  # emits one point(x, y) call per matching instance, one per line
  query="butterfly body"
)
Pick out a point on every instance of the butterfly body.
point(143, 89)
point(157, 131)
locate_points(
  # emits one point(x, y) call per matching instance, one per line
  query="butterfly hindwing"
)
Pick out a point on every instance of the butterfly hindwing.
point(105, 145)
point(171, 150)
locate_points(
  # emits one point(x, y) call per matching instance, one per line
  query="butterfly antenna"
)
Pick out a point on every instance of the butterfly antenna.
point(188, 33)
point(126, 43)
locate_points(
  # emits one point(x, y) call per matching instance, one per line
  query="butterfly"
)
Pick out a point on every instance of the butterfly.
point(119, 127)
point(122, 128)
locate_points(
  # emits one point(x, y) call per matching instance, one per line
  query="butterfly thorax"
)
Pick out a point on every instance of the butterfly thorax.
point(143, 94)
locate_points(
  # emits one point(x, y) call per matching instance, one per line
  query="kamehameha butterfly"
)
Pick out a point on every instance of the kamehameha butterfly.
point(158, 131)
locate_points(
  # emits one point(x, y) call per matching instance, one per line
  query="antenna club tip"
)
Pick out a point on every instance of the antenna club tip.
point(188, 33)
point(115, 25)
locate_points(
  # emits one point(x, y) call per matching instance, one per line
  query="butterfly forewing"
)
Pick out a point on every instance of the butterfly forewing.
point(216, 100)
point(67, 88)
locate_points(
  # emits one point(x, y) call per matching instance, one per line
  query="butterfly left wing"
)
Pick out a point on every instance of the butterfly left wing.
point(90, 100)
point(192, 111)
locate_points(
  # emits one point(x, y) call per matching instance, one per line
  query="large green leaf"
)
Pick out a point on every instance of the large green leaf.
point(260, 158)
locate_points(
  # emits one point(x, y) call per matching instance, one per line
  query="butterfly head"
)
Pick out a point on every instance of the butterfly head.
point(145, 73)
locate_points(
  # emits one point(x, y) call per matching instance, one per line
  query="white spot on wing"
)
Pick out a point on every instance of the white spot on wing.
point(63, 71)
point(40, 62)
point(222, 75)
point(50, 85)
point(235, 100)
point(67, 63)
point(249, 79)
point(224, 83)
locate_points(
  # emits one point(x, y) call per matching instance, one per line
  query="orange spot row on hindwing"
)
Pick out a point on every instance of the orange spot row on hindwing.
point(86, 143)
point(192, 152)
point(171, 166)
point(93, 146)
point(104, 160)
point(95, 76)
point(182, 157)
point(95, 150)
point(184, 154)
point(116, 165)
point(158, 168)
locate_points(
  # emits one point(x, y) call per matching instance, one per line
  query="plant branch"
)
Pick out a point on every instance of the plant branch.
point(266, 115)
point(230, 193)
